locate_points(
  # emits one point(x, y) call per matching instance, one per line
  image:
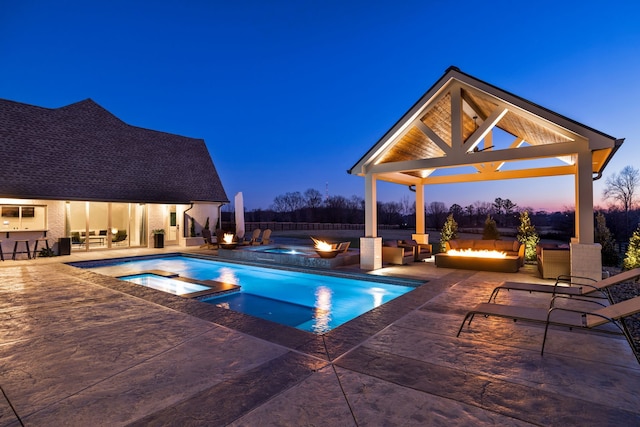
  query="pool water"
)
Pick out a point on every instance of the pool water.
point(311, 302)
point(165, 284)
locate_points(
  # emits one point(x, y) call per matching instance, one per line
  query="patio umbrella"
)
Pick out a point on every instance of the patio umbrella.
point(239, 205)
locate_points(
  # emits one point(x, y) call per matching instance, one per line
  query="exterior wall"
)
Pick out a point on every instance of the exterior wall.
point(199, 212)
point(54, 225)
point(157, 218)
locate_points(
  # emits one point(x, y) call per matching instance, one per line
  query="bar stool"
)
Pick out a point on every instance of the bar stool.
point(16, 251)
point(35, 246)
point(1, 253)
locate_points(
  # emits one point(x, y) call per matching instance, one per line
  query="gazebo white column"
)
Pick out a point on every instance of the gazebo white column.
point(370, 244)
point(586, 259)
point(420, 236)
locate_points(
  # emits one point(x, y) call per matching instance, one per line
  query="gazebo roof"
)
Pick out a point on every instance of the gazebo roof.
point(463, 129)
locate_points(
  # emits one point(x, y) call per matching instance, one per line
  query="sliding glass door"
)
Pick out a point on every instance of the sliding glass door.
point(101, 225)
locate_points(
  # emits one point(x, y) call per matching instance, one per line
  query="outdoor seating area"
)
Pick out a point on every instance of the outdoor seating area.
point(400, 252)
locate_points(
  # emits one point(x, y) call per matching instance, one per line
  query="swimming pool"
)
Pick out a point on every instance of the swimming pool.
point(312, 302)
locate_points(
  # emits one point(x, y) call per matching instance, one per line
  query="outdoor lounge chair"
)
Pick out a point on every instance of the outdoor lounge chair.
point(343, 247)
point(565, 285)
point(219, 236)
point(206, 234)
point(266, 237)
point(561, 316)
point(255, 236)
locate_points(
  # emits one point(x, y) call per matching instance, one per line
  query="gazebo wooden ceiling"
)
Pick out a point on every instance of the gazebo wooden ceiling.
point(453, 126)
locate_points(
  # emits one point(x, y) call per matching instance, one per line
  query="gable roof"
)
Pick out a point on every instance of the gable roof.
point(83, 152)
point(425, 141)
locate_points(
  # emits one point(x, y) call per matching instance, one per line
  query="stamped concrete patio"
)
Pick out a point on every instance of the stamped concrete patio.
point(80, 349)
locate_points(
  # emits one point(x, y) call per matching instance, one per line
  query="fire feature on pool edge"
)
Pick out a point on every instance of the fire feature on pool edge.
point(324, 249)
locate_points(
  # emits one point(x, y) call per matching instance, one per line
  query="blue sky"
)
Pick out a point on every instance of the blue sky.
point(289, 95)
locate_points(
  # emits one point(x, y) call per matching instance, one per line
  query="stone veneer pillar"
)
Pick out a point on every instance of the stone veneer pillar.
point(370, 253)
point(586, 260)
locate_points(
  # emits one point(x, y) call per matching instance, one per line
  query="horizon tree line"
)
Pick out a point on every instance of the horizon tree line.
point(621, 213)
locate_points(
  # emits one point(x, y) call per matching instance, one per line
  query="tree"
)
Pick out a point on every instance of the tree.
point(490, 231)
point(528, 236)
point(456, 210)
point(469, 210)
point(313, 198)
point(482, 209)
point(622, 188)
point(449, 232)
point(632, 257)
point(498, 205)
point(604, 237)
point(509, 207)
point(437, 211)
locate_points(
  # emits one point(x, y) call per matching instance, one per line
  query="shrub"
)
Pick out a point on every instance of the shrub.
point(449, 232)
point(528, 236)
point(490, 231)
point(46, 252)
point(604, 237)
point(632, 257)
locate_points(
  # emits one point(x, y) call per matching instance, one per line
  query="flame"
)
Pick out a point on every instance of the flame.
point(228, 238)
point(484, 253)
point(321, 245)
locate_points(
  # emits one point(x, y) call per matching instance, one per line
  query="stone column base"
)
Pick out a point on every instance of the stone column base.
point(586, 260)
point(370, 253)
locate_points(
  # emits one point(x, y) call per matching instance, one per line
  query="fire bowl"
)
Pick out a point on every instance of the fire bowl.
point(327, 254)
point(228, 245)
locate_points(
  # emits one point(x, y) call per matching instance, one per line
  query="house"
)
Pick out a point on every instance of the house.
point(466, 130)
point(79, 172)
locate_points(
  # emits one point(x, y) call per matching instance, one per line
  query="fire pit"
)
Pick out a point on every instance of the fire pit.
point(324, 249)
point(227, 242)
point(484, 260)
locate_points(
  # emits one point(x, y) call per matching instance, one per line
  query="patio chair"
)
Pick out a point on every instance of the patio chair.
point(266, 237)
point(120, 236)
point(571, 285)
point(219, 236)
point(343, 247)
point(206, 234)
point(557, 316)
point(255, 236)
point(76, 239)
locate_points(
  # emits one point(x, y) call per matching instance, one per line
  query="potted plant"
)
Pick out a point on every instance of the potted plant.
point(158, 238)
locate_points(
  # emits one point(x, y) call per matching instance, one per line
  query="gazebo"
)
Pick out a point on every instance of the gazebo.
point(466, 130)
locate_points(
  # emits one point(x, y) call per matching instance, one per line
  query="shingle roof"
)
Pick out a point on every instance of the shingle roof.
point(83, 152)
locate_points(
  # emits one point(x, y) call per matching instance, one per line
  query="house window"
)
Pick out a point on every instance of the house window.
point(18, 217)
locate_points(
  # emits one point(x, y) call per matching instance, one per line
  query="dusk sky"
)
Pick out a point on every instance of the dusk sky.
point(288, 95)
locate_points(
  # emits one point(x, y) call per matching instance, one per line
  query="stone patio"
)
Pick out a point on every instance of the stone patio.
point(82, 349)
